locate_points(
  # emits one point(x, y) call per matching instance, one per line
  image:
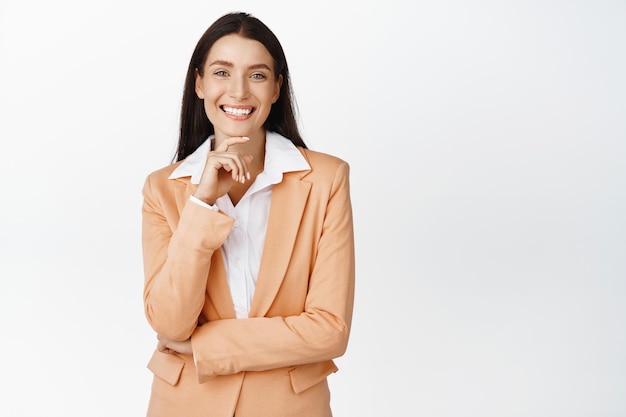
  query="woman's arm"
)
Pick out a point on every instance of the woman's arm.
point(177, 259)
point(319, 333)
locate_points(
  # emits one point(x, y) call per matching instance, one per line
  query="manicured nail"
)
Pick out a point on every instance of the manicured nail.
point(248, 174)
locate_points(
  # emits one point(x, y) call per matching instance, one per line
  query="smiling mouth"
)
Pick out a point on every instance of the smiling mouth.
point(237, 111)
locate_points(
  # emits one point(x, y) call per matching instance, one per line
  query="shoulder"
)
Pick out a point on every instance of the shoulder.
point(323, 163)
point(164, 172)
point(159, 179)
point(328, 173)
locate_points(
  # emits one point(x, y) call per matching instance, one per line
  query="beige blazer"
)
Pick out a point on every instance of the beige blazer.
point(274, 363)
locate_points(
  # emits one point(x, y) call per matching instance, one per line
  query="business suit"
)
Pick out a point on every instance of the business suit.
point(274, 363)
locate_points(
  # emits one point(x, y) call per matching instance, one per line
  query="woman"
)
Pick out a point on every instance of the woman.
point(247, 241)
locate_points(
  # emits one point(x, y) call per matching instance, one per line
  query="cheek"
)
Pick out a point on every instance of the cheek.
point(210, 111)
point(270, 95)
point(210, 89)
point(210, 98)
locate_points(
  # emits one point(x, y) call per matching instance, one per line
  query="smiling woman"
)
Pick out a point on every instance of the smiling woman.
point(248, 243)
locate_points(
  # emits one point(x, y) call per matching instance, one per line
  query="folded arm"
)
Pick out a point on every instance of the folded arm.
point(319, 333)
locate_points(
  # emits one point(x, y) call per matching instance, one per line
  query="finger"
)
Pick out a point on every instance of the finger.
point(243, 172)
point(241, 169)
point(235, 140)
point(233, 163)
point(247, 160)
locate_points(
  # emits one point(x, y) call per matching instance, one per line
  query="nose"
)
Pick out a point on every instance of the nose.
point(238, 88)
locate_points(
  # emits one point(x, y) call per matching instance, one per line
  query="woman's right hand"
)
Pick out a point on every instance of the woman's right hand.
point(223, 168)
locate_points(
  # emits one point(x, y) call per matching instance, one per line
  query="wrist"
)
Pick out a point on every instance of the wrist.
point(206, 200)
point(203, 203)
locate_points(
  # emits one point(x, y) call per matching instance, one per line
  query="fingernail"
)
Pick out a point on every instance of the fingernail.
point(248, 175)
point(246, 138)
point(251, 157)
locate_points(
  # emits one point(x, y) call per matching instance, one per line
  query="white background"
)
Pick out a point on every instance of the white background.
point(487, 146)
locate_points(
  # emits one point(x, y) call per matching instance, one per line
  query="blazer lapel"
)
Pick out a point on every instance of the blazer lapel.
point(288, 202)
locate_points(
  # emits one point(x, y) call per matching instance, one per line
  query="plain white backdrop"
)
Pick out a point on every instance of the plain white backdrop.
point(487, 141)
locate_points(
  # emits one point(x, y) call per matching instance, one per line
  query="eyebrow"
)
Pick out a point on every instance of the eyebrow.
point(230, 65)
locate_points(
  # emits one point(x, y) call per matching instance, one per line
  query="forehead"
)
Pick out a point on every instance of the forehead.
point(239, 50)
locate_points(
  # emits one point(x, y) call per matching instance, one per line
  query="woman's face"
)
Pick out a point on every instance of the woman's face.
point(238, 87)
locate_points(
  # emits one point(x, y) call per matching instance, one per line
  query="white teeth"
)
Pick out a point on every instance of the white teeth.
point(237, 112)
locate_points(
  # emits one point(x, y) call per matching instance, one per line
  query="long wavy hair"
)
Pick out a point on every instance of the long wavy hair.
point(195, 126)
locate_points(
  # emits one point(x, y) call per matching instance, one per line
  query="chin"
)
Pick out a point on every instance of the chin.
point(241, 132)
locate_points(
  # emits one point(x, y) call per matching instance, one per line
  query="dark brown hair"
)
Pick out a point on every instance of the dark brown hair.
point(195, 126)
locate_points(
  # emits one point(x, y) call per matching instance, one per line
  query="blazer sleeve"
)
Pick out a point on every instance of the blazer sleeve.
point(319, 333)
point(177, 259)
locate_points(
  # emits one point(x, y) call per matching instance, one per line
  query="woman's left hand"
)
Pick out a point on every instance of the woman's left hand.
point(171, 346)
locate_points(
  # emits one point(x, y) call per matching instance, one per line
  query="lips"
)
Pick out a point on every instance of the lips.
point(237, 111)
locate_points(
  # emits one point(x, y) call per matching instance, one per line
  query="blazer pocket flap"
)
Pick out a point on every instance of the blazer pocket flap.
point(305, 376)
point(166, 366)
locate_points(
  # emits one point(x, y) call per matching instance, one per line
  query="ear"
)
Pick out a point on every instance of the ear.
point(198, 87)
point(278, 84)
